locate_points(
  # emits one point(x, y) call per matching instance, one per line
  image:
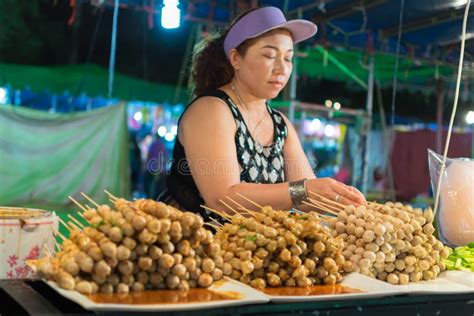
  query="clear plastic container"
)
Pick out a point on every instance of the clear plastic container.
point(455, 216)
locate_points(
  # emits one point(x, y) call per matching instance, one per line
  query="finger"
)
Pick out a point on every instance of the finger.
point(346, 201)
point(346, 193)
point(339, 198)
point(356, 191)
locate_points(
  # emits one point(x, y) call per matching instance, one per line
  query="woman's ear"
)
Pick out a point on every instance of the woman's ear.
point(235, 58)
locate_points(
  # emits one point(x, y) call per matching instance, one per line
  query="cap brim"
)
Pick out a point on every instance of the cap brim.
point(300, 29)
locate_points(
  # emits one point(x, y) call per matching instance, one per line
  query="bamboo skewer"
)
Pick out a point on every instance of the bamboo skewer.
point(247, 211)
point(226, 216)
point(64, 224)
point(111, 196)
point(325, 216)
point(333, 208)
point(77, 203)
point(90, 199)
point(217, 228)
point(323, 207)
point(228, 206)
point(58, 245)
point(47, 251)
point(249, 200)
point(74, 226)
point(80, 214)
point(312, 205)
point(328, 200)
point(216, 222)
point(76, 221)
point(319, 207)
point(57, 233)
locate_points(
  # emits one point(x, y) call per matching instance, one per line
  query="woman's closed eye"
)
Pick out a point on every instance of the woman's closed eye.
point(270, 56)
point(289, 60)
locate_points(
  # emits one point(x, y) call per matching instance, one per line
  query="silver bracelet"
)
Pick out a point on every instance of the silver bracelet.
point(298, 192)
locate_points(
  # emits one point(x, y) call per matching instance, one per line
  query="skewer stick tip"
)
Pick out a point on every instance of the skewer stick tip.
point(228, 206)
point(77, 203)
point(90, 199)
point(76, 221)
point(111, 196)
point(249, 200)
point(225, 216)
point(64, 224)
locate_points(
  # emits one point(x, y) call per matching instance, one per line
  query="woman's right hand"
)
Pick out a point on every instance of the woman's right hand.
point(335, 191)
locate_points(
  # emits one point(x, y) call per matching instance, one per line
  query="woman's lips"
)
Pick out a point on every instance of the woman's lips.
point(277, 84)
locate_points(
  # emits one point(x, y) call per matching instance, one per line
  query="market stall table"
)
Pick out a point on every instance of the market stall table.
point(34, 297)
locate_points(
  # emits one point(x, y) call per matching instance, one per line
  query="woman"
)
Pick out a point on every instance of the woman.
point(229, 140)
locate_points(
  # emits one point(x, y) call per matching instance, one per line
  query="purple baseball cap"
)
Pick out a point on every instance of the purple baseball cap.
point(263, 20)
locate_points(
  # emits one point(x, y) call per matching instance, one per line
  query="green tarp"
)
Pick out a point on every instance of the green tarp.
point(45, 157)
point(332, 63)
point(352, 66)
point(89, 79)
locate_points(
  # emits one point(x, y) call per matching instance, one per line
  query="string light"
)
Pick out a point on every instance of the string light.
point(170, 14)
point(3, 95)
point(138, 116)
point(169, 137)
point(470, 117)
point(161, 131)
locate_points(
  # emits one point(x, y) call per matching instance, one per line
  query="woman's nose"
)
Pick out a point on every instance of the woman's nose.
point(280, 68)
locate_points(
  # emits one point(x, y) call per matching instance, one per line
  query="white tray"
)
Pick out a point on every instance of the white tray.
point(449, 282)
point(371, 288)
point(461, 277)
point(248, 296)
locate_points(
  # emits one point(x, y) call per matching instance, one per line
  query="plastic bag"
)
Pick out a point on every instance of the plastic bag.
point(455, 216)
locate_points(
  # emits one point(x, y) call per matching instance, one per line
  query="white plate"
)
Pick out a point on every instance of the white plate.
point(371, 288)
point(249, 296)
point(446, 283)
point(461, 277)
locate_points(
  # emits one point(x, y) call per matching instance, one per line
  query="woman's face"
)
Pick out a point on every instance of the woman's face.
point(266, 67)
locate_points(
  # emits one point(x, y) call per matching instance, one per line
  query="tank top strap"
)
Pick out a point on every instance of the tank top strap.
point(281, 130)
point(224, 97)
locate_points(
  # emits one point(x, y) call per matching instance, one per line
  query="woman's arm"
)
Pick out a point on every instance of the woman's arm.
point(207, 132)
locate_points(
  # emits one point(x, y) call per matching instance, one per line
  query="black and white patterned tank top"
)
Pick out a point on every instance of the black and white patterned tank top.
point(258, 164)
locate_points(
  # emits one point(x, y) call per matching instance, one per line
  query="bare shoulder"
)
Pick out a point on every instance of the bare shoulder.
point(206, 117)
point(207, 109)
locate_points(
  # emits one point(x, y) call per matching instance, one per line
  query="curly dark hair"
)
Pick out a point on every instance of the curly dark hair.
point(210, 67)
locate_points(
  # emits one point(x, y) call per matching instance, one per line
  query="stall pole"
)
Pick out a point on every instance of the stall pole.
point(293, 82)
point(440, 93)
point(113, 46)
point(368, 125)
